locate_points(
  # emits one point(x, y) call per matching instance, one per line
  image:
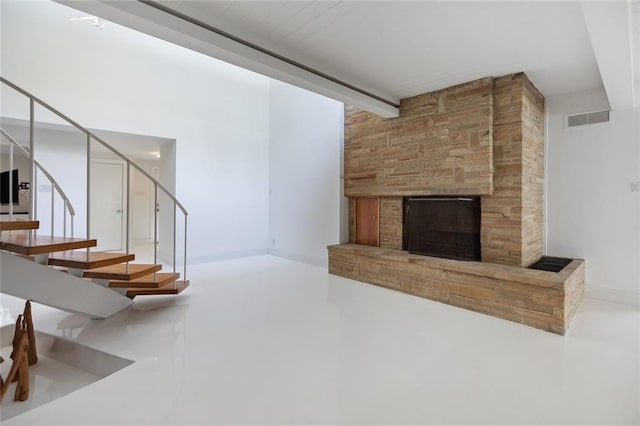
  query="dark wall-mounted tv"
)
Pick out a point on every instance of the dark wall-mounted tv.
point(5, 193)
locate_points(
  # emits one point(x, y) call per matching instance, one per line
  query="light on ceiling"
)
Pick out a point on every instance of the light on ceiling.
point(98, 22)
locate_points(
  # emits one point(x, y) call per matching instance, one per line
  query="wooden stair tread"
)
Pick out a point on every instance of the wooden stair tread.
point(43, 244)
point(161, 279)
point(78, 259)
point(119, 272)
point(18, 225)
point(180, 286)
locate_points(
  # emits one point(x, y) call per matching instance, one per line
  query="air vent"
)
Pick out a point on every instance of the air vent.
point(588, 118)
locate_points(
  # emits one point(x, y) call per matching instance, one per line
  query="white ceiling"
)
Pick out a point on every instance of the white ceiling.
point(610, 30)
point(398, 49)
point(401, 49)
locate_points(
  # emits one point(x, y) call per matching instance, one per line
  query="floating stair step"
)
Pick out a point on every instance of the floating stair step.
point(42, 244)
point(78, 259)
point(120, 273)
point(167, 289)
point(161, 279)
point(18, 225)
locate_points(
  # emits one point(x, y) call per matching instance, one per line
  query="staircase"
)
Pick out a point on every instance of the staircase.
point(62, 271)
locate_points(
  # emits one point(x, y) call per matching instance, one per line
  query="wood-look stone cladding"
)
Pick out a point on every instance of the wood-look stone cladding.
point(391, 222)
point(440, 144)
point(483, 138)
point(512, 221)
point(541, 299)
point(486, 138)
point(532, 174)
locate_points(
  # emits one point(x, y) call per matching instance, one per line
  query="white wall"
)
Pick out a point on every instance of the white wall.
point(591, 211)
point(117, 79)
point(306, 147)
point(56, 151)
point(142, 203)
point(57, 147)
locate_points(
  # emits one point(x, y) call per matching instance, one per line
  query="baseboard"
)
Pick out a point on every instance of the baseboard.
point(168, 258)
point(613, 295)
point(194, 260)
point(324, 262)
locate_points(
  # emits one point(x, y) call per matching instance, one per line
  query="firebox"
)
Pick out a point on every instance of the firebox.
point(447, 227)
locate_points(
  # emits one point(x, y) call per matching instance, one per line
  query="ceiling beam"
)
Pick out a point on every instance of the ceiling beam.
point(160, 22)
point(609, 28)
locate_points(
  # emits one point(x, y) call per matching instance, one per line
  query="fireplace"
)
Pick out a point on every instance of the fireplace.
point(484, 138)
point(447, 227)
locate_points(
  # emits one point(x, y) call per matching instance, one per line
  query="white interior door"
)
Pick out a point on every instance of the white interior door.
point(142, 209)
point(107, 205)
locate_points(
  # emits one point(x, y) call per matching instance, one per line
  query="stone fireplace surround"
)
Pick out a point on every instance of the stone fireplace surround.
point(485, 138)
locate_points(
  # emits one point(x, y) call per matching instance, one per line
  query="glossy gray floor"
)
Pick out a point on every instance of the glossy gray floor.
point(265, 340)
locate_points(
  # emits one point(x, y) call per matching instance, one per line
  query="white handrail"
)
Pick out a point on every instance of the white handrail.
point(55, 184)
point(67, 203)
point(93, 136)
point(157, 185)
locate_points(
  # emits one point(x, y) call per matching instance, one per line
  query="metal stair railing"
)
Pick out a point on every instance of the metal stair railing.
point(68, 207)
point(157, 186)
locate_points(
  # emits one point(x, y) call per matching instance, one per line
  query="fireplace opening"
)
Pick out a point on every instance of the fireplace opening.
point(447, 227)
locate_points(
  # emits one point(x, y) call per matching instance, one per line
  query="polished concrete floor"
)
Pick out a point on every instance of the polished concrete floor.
point(265, 340)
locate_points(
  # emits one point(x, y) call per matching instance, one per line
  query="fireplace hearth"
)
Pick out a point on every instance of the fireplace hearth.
point(447, 227)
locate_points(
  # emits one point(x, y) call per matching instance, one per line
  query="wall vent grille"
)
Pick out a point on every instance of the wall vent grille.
point(588, 118)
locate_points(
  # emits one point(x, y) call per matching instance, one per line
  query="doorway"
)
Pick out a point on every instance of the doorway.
point(107, 201)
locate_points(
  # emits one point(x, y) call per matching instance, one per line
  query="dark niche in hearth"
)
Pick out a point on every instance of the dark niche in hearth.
point(446, 227)
point(551, 264)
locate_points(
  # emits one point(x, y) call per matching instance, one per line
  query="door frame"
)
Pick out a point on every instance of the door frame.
point(123, 235)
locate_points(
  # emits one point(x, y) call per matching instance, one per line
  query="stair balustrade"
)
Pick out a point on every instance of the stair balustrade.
point(34, 165)
point(68, 209)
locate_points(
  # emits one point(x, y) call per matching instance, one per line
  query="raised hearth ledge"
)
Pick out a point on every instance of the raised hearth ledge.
point(540, 299)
